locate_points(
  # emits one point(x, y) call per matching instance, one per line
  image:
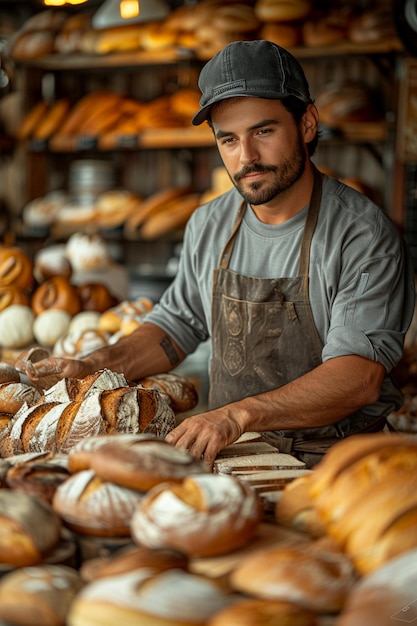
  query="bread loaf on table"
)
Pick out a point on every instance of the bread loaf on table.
point(170, 598)
point(38, 477)
point(30, 529)
point(92, 506)
point(36, 595)
point(255, 612)
point(205, 515)
point(142, 462)
point(312, 575)
point(52, 426)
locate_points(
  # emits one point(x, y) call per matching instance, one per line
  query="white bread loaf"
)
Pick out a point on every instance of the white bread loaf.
point(205, 515)
point(93, 506)
point(170, 598)
point(68, 389)
point(41, 594)
point(30, 529)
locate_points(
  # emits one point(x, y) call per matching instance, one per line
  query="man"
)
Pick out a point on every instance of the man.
point(302, 283)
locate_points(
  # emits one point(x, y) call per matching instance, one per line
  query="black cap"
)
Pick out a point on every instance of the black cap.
point(256, 69)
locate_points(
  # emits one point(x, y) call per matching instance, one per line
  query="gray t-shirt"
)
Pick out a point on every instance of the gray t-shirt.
point(361, 282)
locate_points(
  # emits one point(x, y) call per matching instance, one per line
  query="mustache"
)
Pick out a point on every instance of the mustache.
point(251, 169)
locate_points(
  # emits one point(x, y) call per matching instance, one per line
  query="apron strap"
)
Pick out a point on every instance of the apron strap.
point(230, 243)
point(310, 225)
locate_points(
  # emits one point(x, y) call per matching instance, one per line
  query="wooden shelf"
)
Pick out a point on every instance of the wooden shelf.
point(170, 56)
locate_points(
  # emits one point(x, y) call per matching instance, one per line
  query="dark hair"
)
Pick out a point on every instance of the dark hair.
point(297, 108)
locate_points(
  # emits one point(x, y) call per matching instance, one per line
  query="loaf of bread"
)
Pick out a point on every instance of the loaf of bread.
point(39, 477)
point(12, 295)
point(51, 426)
point(296, 509)
point(79, 343)
point(365, 494)
point(344, 101)
point(41, 594)
point(68, 389)
point(112, 320)
point(170, 598)
point(205, 515)
point(50, 325)
point(310, 575)
point(130, 558)
point(30, 529)
point(57, 293)
point(141, 462)
point(179, 392)
point(256, 612)
point(92, 506)
point(16, 326)
point(16, 268)
point(13, 395)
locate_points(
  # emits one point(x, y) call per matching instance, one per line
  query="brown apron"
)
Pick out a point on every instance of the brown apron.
point(264, 336)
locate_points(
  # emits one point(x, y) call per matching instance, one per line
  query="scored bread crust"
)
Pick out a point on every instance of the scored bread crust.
point(205, 515)
point(92, 506)
point(144, 463)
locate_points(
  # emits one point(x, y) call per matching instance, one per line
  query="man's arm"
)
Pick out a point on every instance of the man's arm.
point(148, 350)
point(323, 396)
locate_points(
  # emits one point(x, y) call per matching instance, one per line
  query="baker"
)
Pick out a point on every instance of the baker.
point(302, 284)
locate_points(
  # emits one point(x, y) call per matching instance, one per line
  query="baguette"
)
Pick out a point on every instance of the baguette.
point(32, 120)
point(174, 215)
point(153, 205)
point(52, 120)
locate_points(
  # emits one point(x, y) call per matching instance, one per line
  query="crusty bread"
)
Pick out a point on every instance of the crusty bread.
point(170, 598)
point(142, 463)
point(255, 612)
point(41, 594)
point(310, 575)
point(179, 391)
point(13, 395)
point(93, 506)
point(205, 515)
point(30, 529)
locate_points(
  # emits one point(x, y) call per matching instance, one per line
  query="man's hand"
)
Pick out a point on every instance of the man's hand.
point(206, 434)
point(46, 373)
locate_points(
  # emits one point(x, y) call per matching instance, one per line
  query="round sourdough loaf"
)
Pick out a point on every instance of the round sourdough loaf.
point(312, 576)
point(205, 515)
point(144, 597)
point(92, 506)
point(30, 529)
point(13, 395)
point(36, 595)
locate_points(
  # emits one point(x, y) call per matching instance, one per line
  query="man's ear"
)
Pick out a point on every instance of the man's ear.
point(310, 123)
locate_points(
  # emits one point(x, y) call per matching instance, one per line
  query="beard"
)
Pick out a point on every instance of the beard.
point(286, 174)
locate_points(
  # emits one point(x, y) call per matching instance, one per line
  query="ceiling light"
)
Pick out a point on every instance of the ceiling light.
point(115, 12)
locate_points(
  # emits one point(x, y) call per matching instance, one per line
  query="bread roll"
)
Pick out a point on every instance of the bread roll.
point(40, 594)
point(79, 343)
point(30, 529)
point(31, 120)
point(143, 463)
point(254, 612)
point(310, 576)
point(16, 268)
point(96, 297)
point(87, 252)
point(180, 393)
point(343, 101)
point(286, 35)
point(16, 326)
point(57, 293)
point(205, 515)
point(326, 30)
point(30, 45)
point(50, 325)
point(92, 506)
point(39, 478)
point(112, 319)
point(170, 598)
point(51, 261)
point(131, 558)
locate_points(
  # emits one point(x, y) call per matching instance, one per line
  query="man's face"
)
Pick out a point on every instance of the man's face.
point(261, 147)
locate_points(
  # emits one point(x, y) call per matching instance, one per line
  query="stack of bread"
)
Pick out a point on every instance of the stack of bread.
point(362, 495)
